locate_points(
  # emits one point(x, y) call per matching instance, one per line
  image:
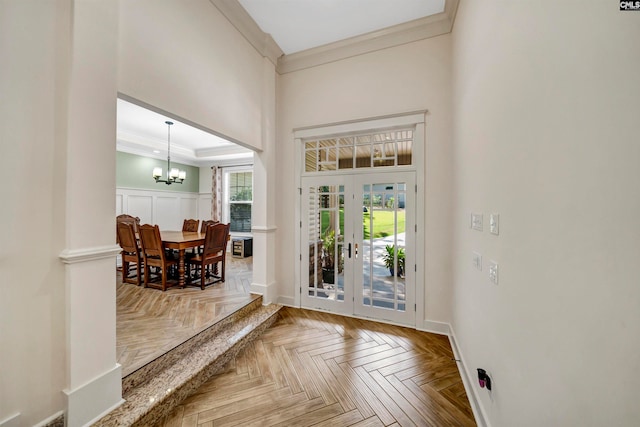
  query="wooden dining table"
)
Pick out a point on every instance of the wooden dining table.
point(181, 241)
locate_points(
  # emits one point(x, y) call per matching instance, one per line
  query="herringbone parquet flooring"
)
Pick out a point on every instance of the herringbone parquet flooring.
point(150, 322)
point(318, 369)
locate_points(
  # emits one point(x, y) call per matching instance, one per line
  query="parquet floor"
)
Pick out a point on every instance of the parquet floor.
point(318, 369)
point(150, 322)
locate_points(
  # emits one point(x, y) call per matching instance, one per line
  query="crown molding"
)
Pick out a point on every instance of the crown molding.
point(239, 18)
point(419, 29)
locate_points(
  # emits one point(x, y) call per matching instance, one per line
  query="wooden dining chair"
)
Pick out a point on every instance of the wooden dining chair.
point(214, 251)
point(206, 223)
point(190, 225)
point(127, 219)
point(131, 253)
point(153, 255)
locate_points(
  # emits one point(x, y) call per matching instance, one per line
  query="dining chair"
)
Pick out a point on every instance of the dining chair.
point(190, 225)
point(214, 251)
point(154, 255)
point(131, 253)
point(205, 223)
point(127, 219)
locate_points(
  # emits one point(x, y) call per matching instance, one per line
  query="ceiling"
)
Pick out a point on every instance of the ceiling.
point(295, 25)
point(144, 132)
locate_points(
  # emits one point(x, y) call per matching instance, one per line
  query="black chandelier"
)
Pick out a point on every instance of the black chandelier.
point(174, 175)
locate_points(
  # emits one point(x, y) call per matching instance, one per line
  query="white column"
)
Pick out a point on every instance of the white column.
point(264, 194)
point(93, 375)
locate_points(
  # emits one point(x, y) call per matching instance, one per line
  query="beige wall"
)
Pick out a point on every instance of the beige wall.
point(32, 332)
point(58, 322)
point(546, 106)
point(414, 76)
point(63, 65)
point(187, 59)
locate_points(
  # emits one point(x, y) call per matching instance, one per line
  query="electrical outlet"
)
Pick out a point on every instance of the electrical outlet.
point(494, 223)
point(493, 272)
point(477, 261)
point(476, 221)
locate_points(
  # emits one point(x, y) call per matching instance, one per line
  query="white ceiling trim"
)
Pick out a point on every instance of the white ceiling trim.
point(419, 29)
point(244, 23)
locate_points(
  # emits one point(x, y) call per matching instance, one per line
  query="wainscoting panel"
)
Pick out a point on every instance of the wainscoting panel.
point(168, 213)
point(141, 206)
point(204, 206)
point(189, 207)
point(119, 206)
point(167, 209)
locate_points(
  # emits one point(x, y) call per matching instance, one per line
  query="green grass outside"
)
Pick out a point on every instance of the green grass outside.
point(382, 223)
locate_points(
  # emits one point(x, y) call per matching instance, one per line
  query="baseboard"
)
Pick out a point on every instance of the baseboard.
point(434, 327)
point(12, 421)
point(468, 380)
point(55, 420)
point(91, 401)
point(268, 291)
point(287, 301)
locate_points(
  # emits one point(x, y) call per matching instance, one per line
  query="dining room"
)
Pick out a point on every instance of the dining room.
point(213, 184)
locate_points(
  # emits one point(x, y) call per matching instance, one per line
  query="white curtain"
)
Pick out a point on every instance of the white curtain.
point(216, 193)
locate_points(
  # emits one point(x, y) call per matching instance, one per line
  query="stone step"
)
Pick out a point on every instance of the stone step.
point(156, 389)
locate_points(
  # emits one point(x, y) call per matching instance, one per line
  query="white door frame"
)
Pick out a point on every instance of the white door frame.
point(416, 119)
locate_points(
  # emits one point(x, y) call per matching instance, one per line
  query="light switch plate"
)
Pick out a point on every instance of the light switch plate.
point(476, 221)
point(493, 272)
point(494, 223)
point(477, 261)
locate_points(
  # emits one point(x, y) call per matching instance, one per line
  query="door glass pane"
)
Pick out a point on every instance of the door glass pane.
point(383, 222)
point(326, 230)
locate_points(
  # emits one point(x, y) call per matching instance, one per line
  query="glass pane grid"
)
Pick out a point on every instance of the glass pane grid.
point(380, 149)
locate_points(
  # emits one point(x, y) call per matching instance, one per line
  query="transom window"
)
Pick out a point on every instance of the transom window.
point(381, 149)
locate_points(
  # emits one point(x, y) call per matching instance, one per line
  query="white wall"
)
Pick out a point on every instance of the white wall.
point(62, 67)
point(546, 106)
point(32, 329)
point(55, 207)
point(187, 59)
point(411, 77)
point(167, 209)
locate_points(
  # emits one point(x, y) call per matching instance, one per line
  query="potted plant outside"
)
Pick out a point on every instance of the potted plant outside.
point(390, 254)
point(328, 256)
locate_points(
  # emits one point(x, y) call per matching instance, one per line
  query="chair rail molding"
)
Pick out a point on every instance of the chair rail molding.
point(263, 229)
point(73, 256)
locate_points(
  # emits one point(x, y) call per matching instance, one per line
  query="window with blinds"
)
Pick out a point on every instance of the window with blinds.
point(240, 201)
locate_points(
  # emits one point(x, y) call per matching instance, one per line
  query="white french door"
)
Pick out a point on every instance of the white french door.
point(358, 245)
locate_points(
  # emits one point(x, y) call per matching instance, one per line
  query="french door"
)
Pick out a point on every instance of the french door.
point(358, 245)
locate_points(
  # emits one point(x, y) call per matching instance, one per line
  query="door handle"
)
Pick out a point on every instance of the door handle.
point(349, 250)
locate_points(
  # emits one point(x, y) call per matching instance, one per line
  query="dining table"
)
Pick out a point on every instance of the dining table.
point(181, 241)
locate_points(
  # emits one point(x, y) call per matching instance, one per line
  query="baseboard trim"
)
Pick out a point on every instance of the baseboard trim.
point(468, 380)
point(440, 328)
point(12, 421)
point(267, 291)
point(55, 420)
point(91, 401)
point(287, 301)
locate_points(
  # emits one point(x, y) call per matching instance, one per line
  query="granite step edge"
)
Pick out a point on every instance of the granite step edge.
point(141, 375)
point(148, 404)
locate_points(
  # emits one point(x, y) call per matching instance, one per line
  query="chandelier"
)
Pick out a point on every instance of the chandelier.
point(174, 175)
